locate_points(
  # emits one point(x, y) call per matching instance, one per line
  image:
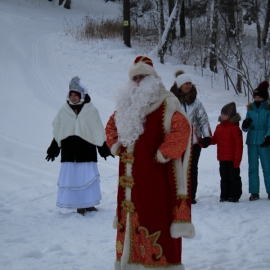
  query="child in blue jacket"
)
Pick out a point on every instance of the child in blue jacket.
point(257, 126)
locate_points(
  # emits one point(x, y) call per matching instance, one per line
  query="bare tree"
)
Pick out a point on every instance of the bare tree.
point(266, 24)
point(208, 21)
point(239, 39)
point(214, 37)
point(182, 21)
point(164, 36)
point(257, 10)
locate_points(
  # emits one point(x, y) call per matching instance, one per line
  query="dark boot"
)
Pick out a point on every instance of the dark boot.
point(268, 196)
point(61, 2)
point(233, 200)
point(67, 4)
point(223, 200)
point(193, 201)
point(254, 197)
point(81, 211)
point(90, 209)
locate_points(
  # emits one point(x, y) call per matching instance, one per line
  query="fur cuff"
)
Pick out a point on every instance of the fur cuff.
point(115, 148)
point(161, 158)
point(186, 230)
point(115, 222)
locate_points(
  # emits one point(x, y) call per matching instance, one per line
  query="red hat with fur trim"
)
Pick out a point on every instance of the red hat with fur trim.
point(142, 66)
point(262, 90)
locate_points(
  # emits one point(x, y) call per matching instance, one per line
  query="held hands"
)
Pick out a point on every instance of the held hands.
point(266, 142)
point(50, 158)
point(205, 142)
point(246, 123)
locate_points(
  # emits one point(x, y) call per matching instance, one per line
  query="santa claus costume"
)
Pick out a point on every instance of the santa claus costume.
point(152, 137)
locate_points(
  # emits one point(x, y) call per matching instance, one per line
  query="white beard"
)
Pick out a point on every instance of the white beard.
point(132, 106)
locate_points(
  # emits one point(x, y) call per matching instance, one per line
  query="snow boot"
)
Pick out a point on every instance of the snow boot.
point(233, 200)
point(254, 197)
point(81, 211)
point(91, 209)
point(223, 200)
point(67, 4)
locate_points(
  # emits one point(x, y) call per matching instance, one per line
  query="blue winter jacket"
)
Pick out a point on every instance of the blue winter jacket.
point(260, 126)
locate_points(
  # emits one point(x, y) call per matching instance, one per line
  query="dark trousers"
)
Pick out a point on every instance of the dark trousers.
point(230, 183)
point(196, 151)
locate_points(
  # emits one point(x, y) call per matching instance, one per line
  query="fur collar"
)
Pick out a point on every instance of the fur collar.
point(234, 119)
point(190, 97)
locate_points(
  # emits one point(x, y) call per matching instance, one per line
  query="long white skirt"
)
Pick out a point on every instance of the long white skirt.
point(78, 185)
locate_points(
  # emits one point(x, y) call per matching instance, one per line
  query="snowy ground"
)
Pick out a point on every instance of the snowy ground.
point(37, 60)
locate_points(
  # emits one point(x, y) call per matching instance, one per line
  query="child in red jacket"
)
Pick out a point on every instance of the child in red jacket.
point(229, 140)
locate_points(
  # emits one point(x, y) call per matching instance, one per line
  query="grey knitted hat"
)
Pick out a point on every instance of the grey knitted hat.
point(76, 85)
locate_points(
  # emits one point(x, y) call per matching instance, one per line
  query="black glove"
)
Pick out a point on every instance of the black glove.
point(50, 158)
point(246, 123)
point(109, 155)
point(266, 142)
point(205, 142)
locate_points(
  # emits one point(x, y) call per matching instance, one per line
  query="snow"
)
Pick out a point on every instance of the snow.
point(37, 61)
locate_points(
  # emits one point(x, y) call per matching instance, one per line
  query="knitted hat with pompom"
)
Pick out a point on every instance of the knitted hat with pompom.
point(262, 90)
point(181, 78)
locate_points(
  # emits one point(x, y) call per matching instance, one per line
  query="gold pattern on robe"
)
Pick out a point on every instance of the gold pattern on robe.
point(126, 181)
point(128, 206)
point(175, 142)
point(182, 214)
point(127, 157)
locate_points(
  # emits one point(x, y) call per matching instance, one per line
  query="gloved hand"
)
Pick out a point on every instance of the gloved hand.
point(236, 163)
point(266, 142)
point(246, 123)
point(205, 142)
point(50, 158)
point(109, 155)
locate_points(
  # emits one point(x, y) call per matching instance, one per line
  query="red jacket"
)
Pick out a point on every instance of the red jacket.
point(229, 140)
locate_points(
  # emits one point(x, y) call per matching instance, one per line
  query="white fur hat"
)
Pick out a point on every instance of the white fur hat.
point(142, 66)
point(181, 79)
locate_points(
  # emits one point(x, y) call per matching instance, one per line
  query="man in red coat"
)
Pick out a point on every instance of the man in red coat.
point(152, 137)
point(229, 140)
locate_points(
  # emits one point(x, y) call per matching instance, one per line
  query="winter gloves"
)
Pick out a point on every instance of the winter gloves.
point(246, 123)
point(266, 142)
point(205, 142)
point(49, 157)
point(104, 151)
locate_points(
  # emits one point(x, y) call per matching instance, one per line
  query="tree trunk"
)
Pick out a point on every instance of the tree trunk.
point(161, 30)
point(208, 21)
point(190, 25)
point(231, 18)
point(213, 38)
point(165, 36)
point(126, 22)
point(239, 40)
point(182, 21)
point(258, 24)
point(171, 5)
point(266, 24)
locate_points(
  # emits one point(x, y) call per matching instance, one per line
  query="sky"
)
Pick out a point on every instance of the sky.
point(37, 61)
